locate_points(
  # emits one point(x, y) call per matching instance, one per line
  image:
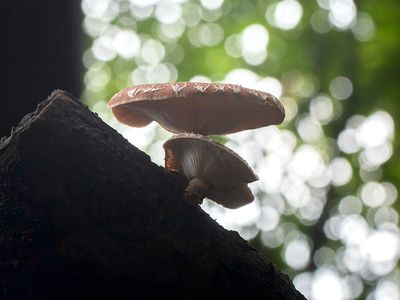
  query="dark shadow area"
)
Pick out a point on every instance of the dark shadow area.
point(41, 51)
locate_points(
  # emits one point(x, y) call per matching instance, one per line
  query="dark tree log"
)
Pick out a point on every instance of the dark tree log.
point(84, 214)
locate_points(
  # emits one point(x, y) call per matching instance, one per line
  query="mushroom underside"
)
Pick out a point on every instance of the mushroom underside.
point(231, 197)
point(228, 196)
point(129, 115)
point(214, 171)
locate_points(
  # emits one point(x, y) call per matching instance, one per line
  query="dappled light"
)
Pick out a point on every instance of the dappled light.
point(326, 203)
point(285, 14)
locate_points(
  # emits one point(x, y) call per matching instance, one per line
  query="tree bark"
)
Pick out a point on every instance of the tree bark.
point(84, 214)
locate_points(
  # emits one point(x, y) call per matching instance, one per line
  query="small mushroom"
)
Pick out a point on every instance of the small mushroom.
point(202, 108)
point(213, 170)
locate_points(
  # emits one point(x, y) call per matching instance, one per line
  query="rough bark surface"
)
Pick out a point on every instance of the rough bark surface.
point(84, 214)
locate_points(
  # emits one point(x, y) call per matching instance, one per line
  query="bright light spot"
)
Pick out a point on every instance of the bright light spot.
point(364, 28)
point(270, 85)
point(191, 14)
point(382, 245)
point(154, 74)
point(297, 253)
point(97, 77)
point(250, 152)
point(355, 121)
point(211, 34)
point(234, 218)
point(248, 232)
point(323, 4)
point(170, 32)
point(168, 12)
point(387, 290)
point(331, 227)
point(273, 238)
point(341, 88)
point(141, 3)
point(309, 129)
point(386, 215)
point(138, 76)
point(232, 45)
point(352, 259)
point(287, 14)
point(212, 4)
point(253, 43)
point(340, 171)
point(105, 10)
point(153, 150)
point(295, 191)
point(152, 52)
point(321, 109)
point(327, 285)
point(342, 13)
point(320, 178)
point(243, 77)
point(255, 58)
point(350, 205)
point(140, 137)
point(270, 171)
point(291, 108)
point(354, 286)
point(347, 141)
point(249, 79)
point(269, 218)
point(373, 194)
point(200, 78)
point(302, 282)
point(353, 229)
point(126, 43)
point(375, 130)
point(101, 109)
point(102, 48)
point(141, 13)
point(161, 73)
point(254, 39)
point(279, 143)
point(382, 249)
point(390, 192)
point(94, 27)
point(377, 156)
point(311, 212)
point(305, 162)
point(215, 14)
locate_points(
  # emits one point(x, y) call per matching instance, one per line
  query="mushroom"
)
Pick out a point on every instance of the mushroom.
point(213, 170)
point(202, 108)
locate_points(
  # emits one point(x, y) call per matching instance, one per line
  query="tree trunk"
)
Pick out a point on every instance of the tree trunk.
point(41, 49)
point(84, 214)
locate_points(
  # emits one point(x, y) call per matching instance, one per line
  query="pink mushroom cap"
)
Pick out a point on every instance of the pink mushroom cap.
point(201, 108)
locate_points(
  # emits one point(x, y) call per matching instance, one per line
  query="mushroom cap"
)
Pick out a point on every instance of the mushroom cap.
point(202, 108)
point(226, 172)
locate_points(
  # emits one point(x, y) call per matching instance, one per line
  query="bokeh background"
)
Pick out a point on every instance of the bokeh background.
point(326, 209)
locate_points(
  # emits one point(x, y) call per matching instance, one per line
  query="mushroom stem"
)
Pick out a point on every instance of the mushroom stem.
point(196, 190)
